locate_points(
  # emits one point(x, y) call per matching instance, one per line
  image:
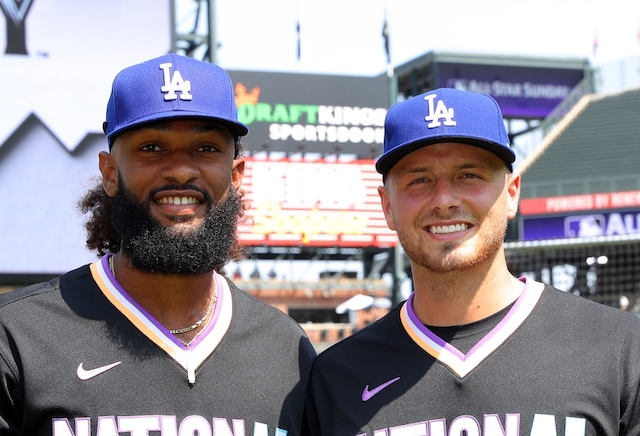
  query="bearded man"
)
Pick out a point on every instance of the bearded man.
point(152, 338)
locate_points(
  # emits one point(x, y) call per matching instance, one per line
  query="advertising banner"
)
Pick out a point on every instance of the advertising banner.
point(521, 92)
point(319, 203)
point(570, 203)
point(574, 216)
point(582, 225)
point(312, 113)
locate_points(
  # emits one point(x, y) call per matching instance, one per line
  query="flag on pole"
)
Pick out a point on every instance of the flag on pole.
point(386, 38)
point(298, 28)
point(298, 36)
point(385, 35)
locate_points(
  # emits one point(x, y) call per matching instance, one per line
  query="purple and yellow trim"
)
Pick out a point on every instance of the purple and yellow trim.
point(461, 364)
point(189, 357)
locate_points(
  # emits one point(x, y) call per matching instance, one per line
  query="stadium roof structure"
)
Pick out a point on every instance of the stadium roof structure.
point(595, 148)
point(492, 59)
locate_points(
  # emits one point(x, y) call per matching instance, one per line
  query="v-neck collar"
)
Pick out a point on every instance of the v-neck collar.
point(189, 357)
point(460, 363)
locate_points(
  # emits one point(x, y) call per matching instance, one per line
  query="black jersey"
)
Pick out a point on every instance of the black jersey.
point(554, 365)
point(79, 357)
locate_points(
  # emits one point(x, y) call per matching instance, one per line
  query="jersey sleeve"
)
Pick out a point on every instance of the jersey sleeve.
point(630, 379)
point(11, 392)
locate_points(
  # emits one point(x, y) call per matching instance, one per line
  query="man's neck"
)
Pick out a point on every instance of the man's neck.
point(175, 301)
point(463, 297)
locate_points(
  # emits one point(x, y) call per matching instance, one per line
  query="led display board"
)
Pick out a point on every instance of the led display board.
point(579, 216)
point(312, 113)
point(319, 203)
point(524, 87)
point(521, 92)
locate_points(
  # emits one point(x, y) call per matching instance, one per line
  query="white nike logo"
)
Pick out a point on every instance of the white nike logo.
point(367, 394)
point(86, 374)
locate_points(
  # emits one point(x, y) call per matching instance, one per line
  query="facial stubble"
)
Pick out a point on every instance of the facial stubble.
point(458, 255)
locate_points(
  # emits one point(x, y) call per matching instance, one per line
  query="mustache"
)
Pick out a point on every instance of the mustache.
point(455, 216)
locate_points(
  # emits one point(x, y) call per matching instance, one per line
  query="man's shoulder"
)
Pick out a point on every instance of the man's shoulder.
point(579, 302)
point(26, 292)
point(377, 336)
point(581, 310)
point(43, 289)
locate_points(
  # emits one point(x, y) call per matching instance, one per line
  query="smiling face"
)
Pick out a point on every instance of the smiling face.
point(449, 204)
point(173, 166)
point(174, 187)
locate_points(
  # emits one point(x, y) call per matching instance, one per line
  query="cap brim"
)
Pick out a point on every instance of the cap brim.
point(236, 127)
point(389, 159)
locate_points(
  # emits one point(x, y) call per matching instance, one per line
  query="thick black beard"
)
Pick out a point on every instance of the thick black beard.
point(153, 248)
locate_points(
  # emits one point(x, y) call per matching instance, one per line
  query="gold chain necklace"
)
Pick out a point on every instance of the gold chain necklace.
point(201, 320)
point(198, 323)
point(113, 271)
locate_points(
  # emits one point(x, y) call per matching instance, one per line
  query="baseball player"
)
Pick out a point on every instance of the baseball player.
point(473, 351)
point(152, 339)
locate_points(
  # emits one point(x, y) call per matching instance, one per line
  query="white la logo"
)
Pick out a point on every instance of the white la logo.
point(440, 111)
point(175, 83)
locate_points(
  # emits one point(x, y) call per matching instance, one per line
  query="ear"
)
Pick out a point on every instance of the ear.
point(109, 170)
point(513, 195)
point(237, 172)
point(386, 207)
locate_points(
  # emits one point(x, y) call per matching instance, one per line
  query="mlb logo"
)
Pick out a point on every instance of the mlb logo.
point(584, 226)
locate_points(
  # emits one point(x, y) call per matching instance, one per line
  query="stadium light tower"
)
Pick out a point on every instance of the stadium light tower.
point(193, 31)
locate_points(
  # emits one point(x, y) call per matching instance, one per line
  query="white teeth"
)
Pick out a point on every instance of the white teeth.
point(178, 200)
point(448, 229)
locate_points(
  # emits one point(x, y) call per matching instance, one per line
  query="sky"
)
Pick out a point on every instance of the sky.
point(344, 37)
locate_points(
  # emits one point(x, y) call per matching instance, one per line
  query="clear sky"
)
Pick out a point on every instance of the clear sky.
point(345, 36)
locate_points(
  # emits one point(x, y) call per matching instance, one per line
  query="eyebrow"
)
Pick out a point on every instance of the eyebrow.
point(428, 168)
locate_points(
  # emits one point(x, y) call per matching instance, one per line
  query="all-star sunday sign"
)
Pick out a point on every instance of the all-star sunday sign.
point(312, 113)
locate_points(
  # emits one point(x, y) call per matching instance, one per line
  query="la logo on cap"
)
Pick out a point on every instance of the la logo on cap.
point(438, 112)
point(175, 84)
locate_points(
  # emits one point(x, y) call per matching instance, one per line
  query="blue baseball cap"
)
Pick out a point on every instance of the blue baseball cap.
point(444, 115)
point(171, 86)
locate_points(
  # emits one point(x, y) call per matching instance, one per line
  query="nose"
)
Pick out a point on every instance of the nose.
point(180, 168)
point(445, 196)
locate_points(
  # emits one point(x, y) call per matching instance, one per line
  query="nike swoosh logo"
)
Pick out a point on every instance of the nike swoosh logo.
point(86, 374)
point(367, 394)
